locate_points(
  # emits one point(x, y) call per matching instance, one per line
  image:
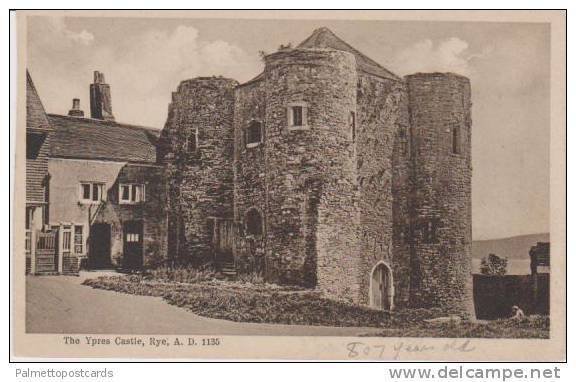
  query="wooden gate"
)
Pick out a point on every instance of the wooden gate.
point(46, 254)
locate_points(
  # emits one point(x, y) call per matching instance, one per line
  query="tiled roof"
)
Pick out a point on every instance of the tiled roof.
point(35, 114)
point(86, 138)
point(325, 38)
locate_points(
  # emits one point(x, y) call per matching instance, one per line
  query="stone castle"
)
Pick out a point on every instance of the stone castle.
point(326, 171)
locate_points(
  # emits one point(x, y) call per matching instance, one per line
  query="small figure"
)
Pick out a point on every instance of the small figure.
point(517, 313)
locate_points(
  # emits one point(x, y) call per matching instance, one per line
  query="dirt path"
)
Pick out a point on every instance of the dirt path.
point(60, 304)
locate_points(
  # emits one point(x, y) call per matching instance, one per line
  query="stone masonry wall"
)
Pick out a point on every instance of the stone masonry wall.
point(312, 216)
point(249, 175)
point(200, 179)
point(381, 114)
point(441, 224)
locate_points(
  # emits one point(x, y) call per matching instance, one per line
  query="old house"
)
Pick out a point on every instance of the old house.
point(38, 132)
point(327, 171)
point(106, 194)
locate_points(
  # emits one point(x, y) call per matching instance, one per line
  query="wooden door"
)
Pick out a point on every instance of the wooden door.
point(380, 287)
point(133, 247)
point(99, 246)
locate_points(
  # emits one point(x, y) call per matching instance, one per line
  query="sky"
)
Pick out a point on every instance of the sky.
point(144, 60)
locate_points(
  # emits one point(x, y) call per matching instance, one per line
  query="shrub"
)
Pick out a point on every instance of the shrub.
point(252, 278)
point(181, 274)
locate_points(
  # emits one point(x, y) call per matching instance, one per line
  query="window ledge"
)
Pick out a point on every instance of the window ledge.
point(89, 202)
point(252, 145)
point(298, 128)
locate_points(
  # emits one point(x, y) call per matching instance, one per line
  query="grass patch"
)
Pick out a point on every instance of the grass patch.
point(530, 327)
point(252, 301)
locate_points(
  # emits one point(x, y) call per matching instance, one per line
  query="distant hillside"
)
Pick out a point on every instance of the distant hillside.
point(516, 247)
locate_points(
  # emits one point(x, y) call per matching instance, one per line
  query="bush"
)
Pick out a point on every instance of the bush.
point(182, 274)
point(252, 278)
point(250, 301)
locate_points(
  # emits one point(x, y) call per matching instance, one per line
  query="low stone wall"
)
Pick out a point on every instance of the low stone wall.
point(494, 296)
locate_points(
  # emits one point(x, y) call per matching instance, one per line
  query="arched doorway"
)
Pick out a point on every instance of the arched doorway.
point(382, 287)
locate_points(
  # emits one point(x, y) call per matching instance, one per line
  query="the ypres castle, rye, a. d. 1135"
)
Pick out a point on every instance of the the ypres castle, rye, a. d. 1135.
point(326, 171)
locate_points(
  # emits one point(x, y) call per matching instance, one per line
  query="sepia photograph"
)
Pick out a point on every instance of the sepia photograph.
point(194, 179)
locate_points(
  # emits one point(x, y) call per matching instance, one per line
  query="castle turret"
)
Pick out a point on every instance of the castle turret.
point(440, 221)
point(312, 214)
point(197, 149)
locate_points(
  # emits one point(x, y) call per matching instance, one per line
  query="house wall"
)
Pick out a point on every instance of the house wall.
point(66, 175)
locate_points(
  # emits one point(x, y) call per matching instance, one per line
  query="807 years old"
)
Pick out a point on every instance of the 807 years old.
point(141, 341)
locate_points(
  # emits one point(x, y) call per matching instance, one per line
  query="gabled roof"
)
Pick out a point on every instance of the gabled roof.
point(325, 38)
point(35, 114)
point(86, 138)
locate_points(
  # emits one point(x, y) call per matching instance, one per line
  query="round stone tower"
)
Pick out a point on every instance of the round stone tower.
point(311, 216)
point(199, 148)
point(440, 221)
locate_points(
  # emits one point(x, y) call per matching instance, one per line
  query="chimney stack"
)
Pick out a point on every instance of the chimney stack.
point(100, 100)
point(75, 111)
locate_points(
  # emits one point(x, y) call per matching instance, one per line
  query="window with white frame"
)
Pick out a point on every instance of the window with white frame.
point(91, 192)
point(78, 239)
point(297, 115)
point(131, 193)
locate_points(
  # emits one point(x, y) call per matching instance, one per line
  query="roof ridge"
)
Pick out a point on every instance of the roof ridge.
point(105, 122)
point(324, 35)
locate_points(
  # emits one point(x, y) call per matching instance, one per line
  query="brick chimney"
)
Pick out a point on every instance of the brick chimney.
point(75, 111)
point(100, 100)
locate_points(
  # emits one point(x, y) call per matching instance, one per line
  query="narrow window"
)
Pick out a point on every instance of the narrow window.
point(192, 141)
point(78, 239)
point(403, 142)
point(96, 192)
point(66, 238)
point(353, 125)
point(86, 191)
point(456, 140)
point(297, 113)
point(297, 116)
point(135, 193)
point(433, 234)
point(124, 193)
point(429, 231)
point(253, 134)
point(29, 212)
